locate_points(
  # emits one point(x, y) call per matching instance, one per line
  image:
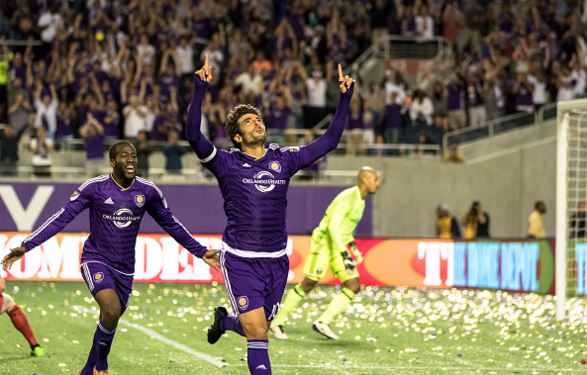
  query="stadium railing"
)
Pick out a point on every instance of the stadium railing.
point(500, 125)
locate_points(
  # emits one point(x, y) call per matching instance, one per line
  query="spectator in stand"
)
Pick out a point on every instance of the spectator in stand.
point(173, 153)
point(143, 153)
point(46, 105)
point(424, 22)
point(393, 120)
point(134, 117)
point(394, 82)
point(65, 121)
point(456, 105)
point(421, 110)
point(452, 21)
point(440, 105)
point(111, 120)
point(250, 81)
point(538, 80)
point(523, 93)
point(474, 100)
point(279, 114)
point(565, 83)
point(8, 151)
point(18, 114)
point(447, 226)
point(41, 146)
point(536, 227)
point(315, 109)
point(355, 126)
point(92, 131)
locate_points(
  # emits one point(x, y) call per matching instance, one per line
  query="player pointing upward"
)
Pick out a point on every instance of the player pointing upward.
point(253, 180)
point(117, 203)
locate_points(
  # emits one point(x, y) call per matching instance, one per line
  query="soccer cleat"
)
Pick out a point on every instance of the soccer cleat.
point(215, 332)
point(324, 330)
point(104, 372)
point(37, 351)
point(278, 332)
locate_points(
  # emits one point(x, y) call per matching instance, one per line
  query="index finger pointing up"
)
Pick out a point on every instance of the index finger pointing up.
point(206, 64)
point(340, 77)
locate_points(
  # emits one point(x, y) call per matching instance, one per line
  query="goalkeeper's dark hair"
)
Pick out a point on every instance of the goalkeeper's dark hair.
point(232, 127)
point(113, 152)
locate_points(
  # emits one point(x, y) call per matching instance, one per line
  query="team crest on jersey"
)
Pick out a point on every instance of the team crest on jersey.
point(74, 196)
point(275, 166)
point(98, 277)
point(139, 200)
point(243, 303)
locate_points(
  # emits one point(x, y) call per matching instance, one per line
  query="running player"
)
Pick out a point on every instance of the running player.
point(117, 203)
point(333, 246)
point(254, 180)
point(19, 320)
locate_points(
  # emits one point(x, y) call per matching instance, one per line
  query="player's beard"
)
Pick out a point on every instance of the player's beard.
point(256, 140)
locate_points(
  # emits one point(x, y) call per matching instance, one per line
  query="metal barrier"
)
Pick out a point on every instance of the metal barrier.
point(500, 125)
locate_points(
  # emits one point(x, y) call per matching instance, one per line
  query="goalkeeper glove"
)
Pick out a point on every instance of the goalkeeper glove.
point(349, 264)
point(356, 252)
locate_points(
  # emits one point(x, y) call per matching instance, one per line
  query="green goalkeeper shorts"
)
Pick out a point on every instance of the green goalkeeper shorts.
point(322, 256)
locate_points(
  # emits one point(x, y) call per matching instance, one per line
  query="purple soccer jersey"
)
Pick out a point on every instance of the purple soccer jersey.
point(115, 218)
point(255, 190)
point(254, 262)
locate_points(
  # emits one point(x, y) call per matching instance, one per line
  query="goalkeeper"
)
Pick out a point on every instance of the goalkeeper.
point(333, 246)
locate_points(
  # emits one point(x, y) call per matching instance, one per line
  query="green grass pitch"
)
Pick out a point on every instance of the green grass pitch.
point(385, 331)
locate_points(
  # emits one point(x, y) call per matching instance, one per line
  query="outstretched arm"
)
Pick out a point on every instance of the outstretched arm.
point(159, 210)
point(329, 140)
point(78, 201)
point(203, 148)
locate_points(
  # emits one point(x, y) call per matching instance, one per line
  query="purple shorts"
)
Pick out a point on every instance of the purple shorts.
point(254, 282)
point(99, 276)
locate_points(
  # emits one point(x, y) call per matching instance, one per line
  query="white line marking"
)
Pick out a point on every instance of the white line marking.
point(163, 339)
point(219, 363)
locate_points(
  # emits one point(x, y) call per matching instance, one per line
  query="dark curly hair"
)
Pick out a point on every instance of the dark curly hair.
point(232, 127)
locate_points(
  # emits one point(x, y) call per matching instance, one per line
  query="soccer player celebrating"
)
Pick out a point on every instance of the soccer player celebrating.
point(253, 180)
point(19, 320)
point(117, 203)
point(333, 245)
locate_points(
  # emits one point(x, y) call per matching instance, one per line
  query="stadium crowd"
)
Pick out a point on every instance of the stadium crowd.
point(106, 69)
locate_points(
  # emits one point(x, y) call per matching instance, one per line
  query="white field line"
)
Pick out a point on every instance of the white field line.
point(218, 363)
point(154, 335)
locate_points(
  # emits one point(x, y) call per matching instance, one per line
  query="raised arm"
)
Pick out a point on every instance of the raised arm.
point(203, 148)
point(329, 140)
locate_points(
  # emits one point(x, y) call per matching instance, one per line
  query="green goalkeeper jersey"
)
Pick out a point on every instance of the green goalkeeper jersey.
point(341, 218)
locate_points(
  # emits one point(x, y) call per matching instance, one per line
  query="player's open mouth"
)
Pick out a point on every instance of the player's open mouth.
point(130, 168)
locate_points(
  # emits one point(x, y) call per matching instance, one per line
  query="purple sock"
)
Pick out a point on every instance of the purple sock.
point(258, 357)
point(231, 323)
point(104, 339)
point(91, 362)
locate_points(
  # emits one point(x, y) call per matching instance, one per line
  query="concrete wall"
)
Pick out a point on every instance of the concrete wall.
point(506, 186)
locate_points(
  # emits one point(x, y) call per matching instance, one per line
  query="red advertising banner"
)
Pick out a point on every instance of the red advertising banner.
point(526, 266)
